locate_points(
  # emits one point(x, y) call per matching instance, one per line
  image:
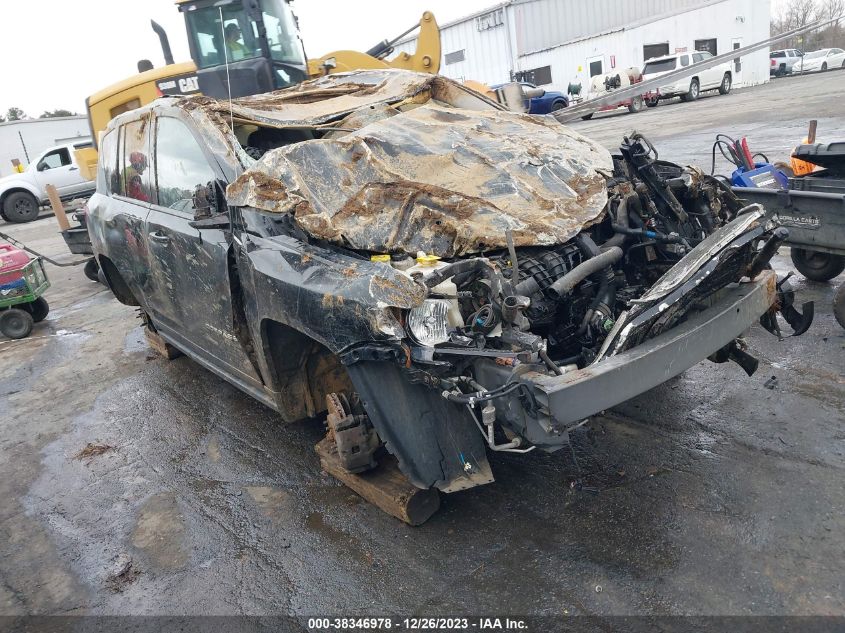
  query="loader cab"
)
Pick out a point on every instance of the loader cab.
point(248, 46)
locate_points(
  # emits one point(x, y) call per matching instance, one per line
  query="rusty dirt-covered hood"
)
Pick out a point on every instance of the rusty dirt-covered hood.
point(417, 173)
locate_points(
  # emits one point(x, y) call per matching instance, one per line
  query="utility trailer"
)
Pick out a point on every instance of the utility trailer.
point(813, 209)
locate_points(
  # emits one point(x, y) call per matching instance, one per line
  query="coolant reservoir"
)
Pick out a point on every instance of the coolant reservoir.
point(427, 264)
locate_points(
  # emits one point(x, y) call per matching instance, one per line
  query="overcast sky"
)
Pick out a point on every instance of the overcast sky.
point(57, 52)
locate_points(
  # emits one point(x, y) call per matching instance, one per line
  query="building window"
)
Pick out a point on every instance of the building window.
point(454, 58)
point(596, 68)
point(490, 20)
point(538, 76)
point(650, 51)
point(706, 45)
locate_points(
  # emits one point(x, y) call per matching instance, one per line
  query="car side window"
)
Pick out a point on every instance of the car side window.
point(58, 158)
point(107, 181)
point(182, 171)
point(697, 57)
point(684, 60)
point(135, 173)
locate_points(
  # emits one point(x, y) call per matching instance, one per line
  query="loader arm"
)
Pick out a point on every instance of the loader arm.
point(425, 59)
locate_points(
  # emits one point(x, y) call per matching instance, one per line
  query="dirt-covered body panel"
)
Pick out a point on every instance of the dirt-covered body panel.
point(443, 275)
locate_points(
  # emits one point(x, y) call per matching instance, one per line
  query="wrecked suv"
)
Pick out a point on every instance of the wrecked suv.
point(450, 277)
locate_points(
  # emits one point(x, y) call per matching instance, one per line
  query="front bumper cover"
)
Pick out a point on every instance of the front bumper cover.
point(562, 401)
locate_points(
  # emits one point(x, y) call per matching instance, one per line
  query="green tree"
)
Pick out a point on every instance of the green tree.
point(15, 114)
point(48, 114)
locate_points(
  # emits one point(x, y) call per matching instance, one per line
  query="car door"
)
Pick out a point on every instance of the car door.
point(118, 211)
point(707, 78)
point(56, 168)
point(837, 59)
point(191, 299)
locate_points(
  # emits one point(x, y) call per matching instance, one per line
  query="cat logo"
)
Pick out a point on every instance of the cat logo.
point(179, 86)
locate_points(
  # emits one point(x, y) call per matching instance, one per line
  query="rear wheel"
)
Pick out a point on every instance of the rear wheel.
point(16, 323)
point(817, 266)
point(693, 92)
point(92, 270)
point(636, 105)
point(725, 87)
point(20, 206)
point(558, 105)
point(39, 309)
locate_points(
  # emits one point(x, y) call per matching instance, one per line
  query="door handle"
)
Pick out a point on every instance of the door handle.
point(73, 168)
point(161, 238)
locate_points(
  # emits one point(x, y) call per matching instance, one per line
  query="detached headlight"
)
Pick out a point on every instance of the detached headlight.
point(428, 324)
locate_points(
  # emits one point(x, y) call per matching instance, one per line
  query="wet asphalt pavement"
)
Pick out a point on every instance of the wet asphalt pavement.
point(712, 494)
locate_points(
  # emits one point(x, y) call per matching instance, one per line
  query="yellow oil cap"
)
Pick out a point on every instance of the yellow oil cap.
point(380, 258)
point(427, 261)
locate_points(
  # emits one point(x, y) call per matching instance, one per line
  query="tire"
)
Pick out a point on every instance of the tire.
point(558, 105)
point(824, 67)
point(92, 270)
point(20, 206)
point(817, 266)
point(725, 86)
point(587, 117)
point(652, 103)
point(839, 304)
point(39, 309)
point(636, 105)
point(16, 323)
point(693, 92)
point(843, 64)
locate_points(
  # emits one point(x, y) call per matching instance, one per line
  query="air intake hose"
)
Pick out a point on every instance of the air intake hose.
point(567, 283)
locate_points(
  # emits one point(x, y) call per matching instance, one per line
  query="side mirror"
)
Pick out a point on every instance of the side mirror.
point(206, 201)
point(216, 221)
point(210, 210)
point(42, 167)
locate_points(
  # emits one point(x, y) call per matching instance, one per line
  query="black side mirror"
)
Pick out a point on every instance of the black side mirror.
point(205, 201)
point(42, 167)
point(210, 210)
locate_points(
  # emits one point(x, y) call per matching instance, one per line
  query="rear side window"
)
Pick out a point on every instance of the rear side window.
point(660, 66)
point(135, 173)
point(107, 180)
point(181, 167)
point(684, 60)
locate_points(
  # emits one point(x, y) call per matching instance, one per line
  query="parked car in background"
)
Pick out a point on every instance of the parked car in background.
point(824, 59)
point(689, 88)
point(785, 61)
point(22, 194)
point(550, 101)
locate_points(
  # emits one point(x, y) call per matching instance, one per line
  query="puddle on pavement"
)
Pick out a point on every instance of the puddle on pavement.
point(160, 531)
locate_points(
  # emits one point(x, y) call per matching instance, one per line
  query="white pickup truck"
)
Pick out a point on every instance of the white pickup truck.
point(22, 194)
point(689, 88)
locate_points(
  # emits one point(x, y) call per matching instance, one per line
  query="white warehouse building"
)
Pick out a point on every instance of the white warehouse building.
point(553, 43)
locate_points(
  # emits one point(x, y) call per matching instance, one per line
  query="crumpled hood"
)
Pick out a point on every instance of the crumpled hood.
point(447, 181)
